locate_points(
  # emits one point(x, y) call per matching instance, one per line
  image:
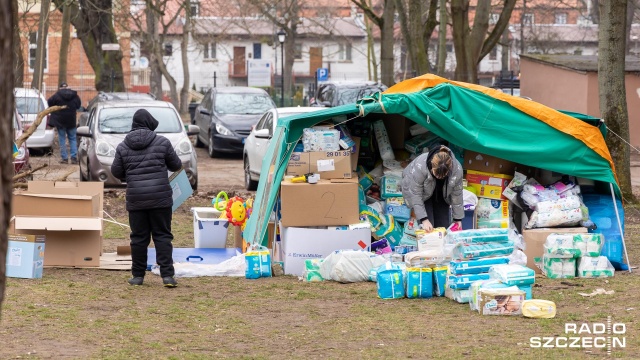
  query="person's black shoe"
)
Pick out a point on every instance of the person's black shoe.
point(169, 282)
point(74, 161)
point(136, 281)
point(64, 161)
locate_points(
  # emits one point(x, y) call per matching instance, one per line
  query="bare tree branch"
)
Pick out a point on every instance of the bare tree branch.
point(25, 135)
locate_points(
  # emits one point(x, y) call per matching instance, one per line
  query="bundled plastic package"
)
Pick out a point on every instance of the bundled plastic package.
point(492, 213)
point(501, 301)
point(419, 283)
point(258, 263)
point(392, 168)
point(386, 151)
point(365, 181)
point(390, 230)
point(410, 227)
point(311, 271)
point(348, 266)
point(461, 296)
point(433, 240)
point(320, 139)
point(527, 291)
point(513, 274)
point(397, 207)
point(427, 258)
point(439, 280)
point(477, 236)
point(561, 246)
point(346, 142)
point(558, 268)
point(476, 286)
point(590, 267)
point(381, 247)
point(539, 309)
point(555, 218)
point(391, 282)
point(465, 267)
point(567, 203)
point(417, 144)
point(464, 281)
point(390, 187)
point(510, 192)
point(464, 251)
point(588, 244)
point(417, 129)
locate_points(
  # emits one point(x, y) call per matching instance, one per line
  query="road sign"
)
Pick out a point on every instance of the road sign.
point(323, 74)
point(110, 47)
point(259, 73)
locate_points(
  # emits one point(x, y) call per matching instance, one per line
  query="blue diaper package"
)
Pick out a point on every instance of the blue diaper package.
point(419, 283)
point(464, 251)
point(461, 282)
point(527, 291)
point(258, 263)
point(473, 236)
point(396, 206)
point(513, 275)
point(439, 280)
point(463, 267)
point(390, 187)
point(390, 281)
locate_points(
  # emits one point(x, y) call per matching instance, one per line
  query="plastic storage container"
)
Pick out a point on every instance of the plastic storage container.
point(603, 213)
point(208, 230)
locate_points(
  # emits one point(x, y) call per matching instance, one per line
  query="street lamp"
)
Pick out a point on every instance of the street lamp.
point(281, 37)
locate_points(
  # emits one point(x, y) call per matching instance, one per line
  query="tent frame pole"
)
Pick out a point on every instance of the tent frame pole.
point(624, 244)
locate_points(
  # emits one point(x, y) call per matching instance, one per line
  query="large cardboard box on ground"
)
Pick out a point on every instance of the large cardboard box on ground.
point(25, 256)
point(398, 130)
point(488, 185)
point(329, 164)
point(300, 244)
point(329, 202)
point(534, 240)
point(69, 214)
point(491, 164)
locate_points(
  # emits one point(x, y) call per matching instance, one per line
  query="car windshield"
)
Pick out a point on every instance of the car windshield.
point(239, 104)
point(29, 105)
point(351, 95)
point(118, 120)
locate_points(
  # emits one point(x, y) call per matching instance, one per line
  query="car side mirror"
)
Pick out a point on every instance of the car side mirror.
point(262, 134)
point(83, 131)
point(193, 130)
point(205, 112)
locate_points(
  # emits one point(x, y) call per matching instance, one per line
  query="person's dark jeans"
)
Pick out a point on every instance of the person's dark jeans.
point(146, 224)
point(70, 133)
point(438, 211)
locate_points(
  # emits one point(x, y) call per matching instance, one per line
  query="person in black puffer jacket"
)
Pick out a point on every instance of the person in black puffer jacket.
point(142, 160)
point(65, 121)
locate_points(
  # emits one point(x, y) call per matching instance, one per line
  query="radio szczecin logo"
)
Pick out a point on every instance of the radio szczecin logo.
point(607, 336)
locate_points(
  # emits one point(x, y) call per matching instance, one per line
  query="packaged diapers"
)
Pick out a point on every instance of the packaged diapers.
point(426, 258)
point(464, 251)
point(561, 246)
point(431, 241)
point(390, 187)
point(419, 283)
point(513, 274)
point(505, 301)
point(476, 286)
point(396, 206)
point(558, 268)
point(439, 280)
point(348, 266)
point(390, 282)
point(539, 309)
point(311, 270)
point(589, 244)
point(589, 267)
point(386, 152)
point(567, 203)
point(258, 263)
point(478, 236)
point(416, 145)
point(492, 213)
point(464, 281)
point(462, 267)
point(320, 139)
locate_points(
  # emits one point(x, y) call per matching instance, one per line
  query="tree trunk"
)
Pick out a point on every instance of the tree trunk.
point(416, 27)
point(64, 44)
point(18, 72)
point(7, 37)
point(289, 53)
point(631, 8)
point(173, 87)
point(151, 44)
point(460, 25)
point(43, 30)
point(184, 47)
point(611, 84)
point(406, 32)
point(442, 39)
point(94, 24)
point(387, 43)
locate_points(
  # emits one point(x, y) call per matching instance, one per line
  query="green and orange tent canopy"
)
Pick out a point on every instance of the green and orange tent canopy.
point(471, 116)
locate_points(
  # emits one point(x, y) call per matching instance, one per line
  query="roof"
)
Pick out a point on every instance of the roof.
point(239, 89)
point(346, 27)
point(133, 103)
point(580, 62)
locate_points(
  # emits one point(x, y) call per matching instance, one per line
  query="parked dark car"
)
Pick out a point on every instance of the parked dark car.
point(110, 96)
point(225, 117)
point(336, 93)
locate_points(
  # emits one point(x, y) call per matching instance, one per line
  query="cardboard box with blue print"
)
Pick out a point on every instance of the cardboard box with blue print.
point(25, 256)
point(329, 164)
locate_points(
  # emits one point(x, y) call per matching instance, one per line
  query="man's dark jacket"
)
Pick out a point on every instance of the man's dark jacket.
point(142, 160)
point(65, 118)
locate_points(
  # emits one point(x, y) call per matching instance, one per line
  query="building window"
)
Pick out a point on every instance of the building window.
point(297, 51)
point(194, 9)
point(493, 18)
point(493, 55)
point(449, 48)
point(528, 19)
point(209, 50)
point(561, 18)
point(168, 49)
point(344, 52)
point(33, 45)
point(257, 50)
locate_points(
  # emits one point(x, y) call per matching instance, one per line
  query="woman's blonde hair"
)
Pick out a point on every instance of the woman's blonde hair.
point(441, 163)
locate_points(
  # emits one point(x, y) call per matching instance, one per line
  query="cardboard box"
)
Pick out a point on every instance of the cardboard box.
point(71, 241)
point(397, 129)
point(301, 244)
point(487, 163)
point(329, 164)
point(488, 185)
point(25, 256)
point(534, 240)
point(181, 188)
point(32, 204)
point(329, 202)
point(63, 188)
point(356, 154)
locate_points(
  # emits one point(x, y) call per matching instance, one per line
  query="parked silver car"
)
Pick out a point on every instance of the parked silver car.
point(108, 124)
point(30, 102)
point(255, 146)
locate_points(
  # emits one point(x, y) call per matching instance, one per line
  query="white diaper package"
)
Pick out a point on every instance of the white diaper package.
point(589, 267)
point(589, 244)
point(320, 139)
point(348, 266)
point(424, 258)
point(555, 218)
point(431, 241)
point(567, 203)
point(384, 145)
point(558, 268)
point(561, 246)
point(512, 274)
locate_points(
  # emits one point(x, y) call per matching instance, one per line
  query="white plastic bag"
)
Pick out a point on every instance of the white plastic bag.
point(236, 266)
point(348, 266)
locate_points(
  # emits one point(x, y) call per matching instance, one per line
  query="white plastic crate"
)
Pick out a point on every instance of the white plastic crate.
point(208, 230)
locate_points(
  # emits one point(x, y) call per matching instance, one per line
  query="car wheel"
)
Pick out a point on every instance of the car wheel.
point(249, 184)
point(199, 143)
point(194, 186)
point(211, 150)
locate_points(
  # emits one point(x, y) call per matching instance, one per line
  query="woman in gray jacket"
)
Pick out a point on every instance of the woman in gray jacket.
point(431, 184)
